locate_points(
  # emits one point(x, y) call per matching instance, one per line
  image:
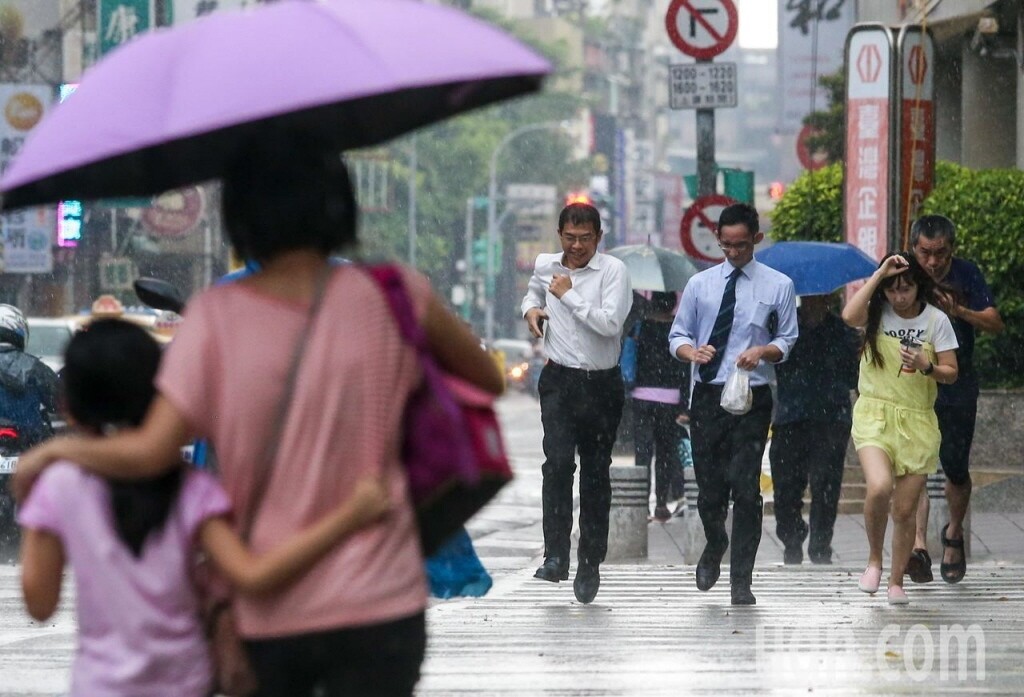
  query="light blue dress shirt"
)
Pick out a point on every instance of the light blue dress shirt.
point(765, 314)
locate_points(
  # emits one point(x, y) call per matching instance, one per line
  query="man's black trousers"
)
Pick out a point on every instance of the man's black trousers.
point(727, 452)
point(802, 452)
point(580, 411)
point(656, 437)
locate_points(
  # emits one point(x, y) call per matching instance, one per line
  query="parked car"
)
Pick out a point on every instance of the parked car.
point(519, 365)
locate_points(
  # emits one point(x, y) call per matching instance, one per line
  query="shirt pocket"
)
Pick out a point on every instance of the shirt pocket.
point(762, 315)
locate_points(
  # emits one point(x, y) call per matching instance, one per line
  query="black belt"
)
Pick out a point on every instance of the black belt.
point(710, 386)
point(583, 372)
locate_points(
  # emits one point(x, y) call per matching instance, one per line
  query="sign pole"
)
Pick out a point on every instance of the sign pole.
point(703, 31)
point(706, 174)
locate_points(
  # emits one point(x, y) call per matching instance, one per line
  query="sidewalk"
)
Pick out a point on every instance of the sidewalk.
point(651, 633)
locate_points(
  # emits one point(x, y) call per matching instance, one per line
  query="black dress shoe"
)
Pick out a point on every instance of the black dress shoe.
point(708, 569)
point(793, 555)
point(741, 594)
point(553, 569)
point(588, 580)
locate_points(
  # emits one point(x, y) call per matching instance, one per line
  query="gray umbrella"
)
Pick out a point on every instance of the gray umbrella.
point(655, 268)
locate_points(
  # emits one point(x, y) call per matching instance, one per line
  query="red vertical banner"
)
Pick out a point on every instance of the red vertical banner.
point(916, 174)
point(867, 186)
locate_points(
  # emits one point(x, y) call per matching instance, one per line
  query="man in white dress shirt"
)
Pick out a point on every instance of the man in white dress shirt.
point(739, 314)
point(584, 297)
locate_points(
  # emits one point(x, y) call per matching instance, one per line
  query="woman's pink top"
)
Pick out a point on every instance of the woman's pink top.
point(225, 373)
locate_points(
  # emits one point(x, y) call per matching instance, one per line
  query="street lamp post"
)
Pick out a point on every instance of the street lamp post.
point(492, 212)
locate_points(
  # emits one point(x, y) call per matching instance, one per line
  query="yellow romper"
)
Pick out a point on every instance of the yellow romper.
point(897, 414)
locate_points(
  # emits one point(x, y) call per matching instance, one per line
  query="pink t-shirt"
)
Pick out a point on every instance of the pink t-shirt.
point(225, 372)
point(138, 619)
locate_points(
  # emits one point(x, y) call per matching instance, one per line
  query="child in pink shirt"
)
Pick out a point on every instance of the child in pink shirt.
point(131, 544)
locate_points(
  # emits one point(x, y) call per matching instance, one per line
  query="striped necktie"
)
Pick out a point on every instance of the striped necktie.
point(720, 332)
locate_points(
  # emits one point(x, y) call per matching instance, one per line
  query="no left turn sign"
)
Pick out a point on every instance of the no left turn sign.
point(702, 28)
point(698, 229)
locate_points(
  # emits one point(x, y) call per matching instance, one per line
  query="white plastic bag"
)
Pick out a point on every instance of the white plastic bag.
point(736, 396)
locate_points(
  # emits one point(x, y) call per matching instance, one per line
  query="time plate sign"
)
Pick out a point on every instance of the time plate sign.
point(702, 85)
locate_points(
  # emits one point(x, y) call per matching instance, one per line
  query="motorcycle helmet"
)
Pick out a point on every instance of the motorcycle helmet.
point(13, 327)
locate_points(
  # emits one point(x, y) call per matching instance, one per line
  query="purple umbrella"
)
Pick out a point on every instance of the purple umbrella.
point(171, 107)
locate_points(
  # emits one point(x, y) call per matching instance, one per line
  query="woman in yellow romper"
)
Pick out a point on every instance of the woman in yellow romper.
point(909, 346)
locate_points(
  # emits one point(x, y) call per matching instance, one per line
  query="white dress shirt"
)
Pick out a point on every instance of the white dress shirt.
point(584, 327)
point(765, 314)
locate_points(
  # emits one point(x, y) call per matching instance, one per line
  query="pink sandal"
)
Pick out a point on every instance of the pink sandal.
point(898, 596)
point(870, 579)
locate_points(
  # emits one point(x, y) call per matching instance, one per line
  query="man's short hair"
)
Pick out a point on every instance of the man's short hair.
point(934, 227)
point(580, 214)
point(740, 213)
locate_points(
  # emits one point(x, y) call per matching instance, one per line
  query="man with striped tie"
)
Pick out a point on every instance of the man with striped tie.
point(737, 315)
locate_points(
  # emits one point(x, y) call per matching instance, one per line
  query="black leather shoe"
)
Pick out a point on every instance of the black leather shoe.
point(741, 594)
point(793, 555)
point(553, 569)
point(820, 557)
point(588, 580)
point(708, 569)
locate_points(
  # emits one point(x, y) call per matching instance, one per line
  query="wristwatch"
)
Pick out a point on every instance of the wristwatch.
point(929, 370)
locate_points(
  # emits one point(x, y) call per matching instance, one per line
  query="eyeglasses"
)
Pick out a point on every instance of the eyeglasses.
point(738, 246)
point(582, 239)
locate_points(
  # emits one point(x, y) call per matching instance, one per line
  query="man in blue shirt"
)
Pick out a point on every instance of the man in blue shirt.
point(737, 315)
point(933, 241)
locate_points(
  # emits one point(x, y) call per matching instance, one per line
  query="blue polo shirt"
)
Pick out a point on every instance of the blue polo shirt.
point(966, 278)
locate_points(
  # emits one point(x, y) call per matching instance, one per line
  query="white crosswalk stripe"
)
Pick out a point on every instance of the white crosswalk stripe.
point(651, 632)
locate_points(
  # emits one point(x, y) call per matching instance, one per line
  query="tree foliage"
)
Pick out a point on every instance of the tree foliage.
point(453, 165)
point(830, 123)
point(987, 207)
point(812, 207)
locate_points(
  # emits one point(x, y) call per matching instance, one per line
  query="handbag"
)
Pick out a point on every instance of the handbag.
point(232, 673)
point(452, 448)
point(628, 357)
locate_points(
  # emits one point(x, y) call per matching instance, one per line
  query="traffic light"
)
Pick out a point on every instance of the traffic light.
point(577, 197)
point(480, 254)
point(776, 190)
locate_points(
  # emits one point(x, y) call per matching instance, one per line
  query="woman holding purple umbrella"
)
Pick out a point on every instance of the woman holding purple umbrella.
point(354, 624)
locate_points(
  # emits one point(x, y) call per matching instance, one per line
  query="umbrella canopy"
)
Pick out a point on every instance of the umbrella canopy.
point(171, 107)
point(818, 267)
point(655, 268)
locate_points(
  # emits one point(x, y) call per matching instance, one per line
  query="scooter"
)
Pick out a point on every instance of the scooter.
point(11, 446)
point(159, 294)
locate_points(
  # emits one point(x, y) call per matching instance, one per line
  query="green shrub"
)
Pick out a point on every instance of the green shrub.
point(988, 209)
point(811, 208)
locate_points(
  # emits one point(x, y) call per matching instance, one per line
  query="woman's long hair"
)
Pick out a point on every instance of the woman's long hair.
point(107, 382)
point(927, 291)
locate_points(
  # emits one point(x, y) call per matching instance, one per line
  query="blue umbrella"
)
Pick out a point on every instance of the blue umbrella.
point(818, 267)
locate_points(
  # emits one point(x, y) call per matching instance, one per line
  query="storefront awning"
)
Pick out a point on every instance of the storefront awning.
point(949, 18)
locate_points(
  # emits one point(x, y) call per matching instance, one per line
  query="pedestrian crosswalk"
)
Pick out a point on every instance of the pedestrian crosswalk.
point(651, 632)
